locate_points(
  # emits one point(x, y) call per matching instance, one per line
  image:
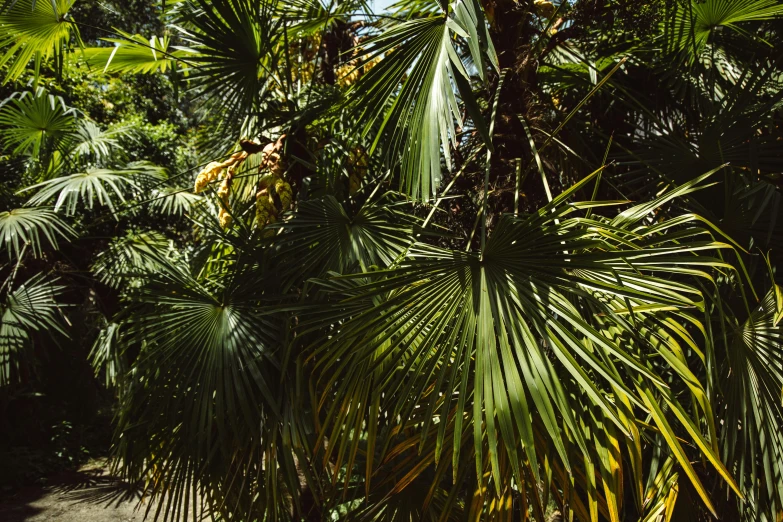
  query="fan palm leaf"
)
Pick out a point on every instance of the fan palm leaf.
point(130, 257)
point(22, 227)
point(419, 55)
point(173, 201)
point(102, 186)
point(321, 235)
point(34, 30)
point(232, 53)
point(134, 54)
point(33, 121)
point(504, 337)
point(220, 375)
point(751, 380)
point(29, 310)
point(691, 24)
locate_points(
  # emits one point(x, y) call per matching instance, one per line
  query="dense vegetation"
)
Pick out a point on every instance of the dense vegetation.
point(465, 260)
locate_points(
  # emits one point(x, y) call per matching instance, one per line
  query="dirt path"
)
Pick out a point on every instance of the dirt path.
point(87, 495)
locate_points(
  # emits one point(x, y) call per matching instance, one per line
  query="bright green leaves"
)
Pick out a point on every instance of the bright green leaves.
point(102, 186)
point(418, 71)
point(530, 345)
point(689, 27)
point(26, 227)
point(30, 309)
point(134, 54)
point(33, 122)
point(36, 30)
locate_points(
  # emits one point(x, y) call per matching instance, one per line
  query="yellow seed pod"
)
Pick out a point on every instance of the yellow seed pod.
point(265, 209)
point(224, 218)
point(266, 181)
point(224, 191)
point(208, 174)
point(284, 192)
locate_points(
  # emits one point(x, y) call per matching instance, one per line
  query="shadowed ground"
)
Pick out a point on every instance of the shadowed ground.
point(88, 495)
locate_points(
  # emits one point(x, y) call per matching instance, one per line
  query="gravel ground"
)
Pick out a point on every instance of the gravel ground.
point(90, 494)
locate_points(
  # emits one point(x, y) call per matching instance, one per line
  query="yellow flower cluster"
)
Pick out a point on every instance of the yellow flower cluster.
point(270, 184)
point(215, 170)
point(224, 192)
point(350, 72)
point(266, 212)
point(283, 190)
point(209, 174)
point(225, 171)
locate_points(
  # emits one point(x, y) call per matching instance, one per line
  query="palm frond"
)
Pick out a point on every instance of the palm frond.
point(106, 355)
point(321, 237)
point(232, 46)
point(37, 30)
point(32, 121)
point(688, 28)
point(751, 380)
point(173, 201)
point(131, 257)
point(23, 227)
point(419, 56)
point(28, 311)
point(134, 54)
point(102, 186)
point(91, 143)
point(505, 337)
point(208, 355)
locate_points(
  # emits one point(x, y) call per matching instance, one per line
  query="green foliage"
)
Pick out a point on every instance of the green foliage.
point(28, 310)
point(34, 31)
point(106, 187)
point(24, 227)
point(33, 121)
point(367, 308)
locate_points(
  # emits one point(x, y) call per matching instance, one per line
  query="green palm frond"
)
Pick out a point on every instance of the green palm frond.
point(321, 237)
point(311, 17)
point(36, 30)
point(106, 355)
point(232, 52)
point(28, 311)
point(23, 227)
point(131, 257)
point(518, 338)
point(32, 122)
point(208, 355)
point(102, 186)
point(420, 56)
point(173, 201)
point(751, 380)
point(690, 25)
point(92, 143)
point(134, 54)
